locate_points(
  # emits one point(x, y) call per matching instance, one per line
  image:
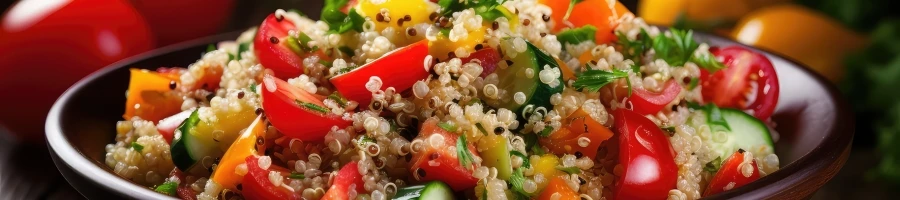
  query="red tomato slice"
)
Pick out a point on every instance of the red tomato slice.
point(438, 162)
point(347, 177)
point(489, 58)
point(271, 49)
point(256, 184)
point(730, 87)
point(280, 103)
point(400, 69)
point(184, 190)
point(167, 126)
point(647, 103)
point(647, 157)
point(730, 176)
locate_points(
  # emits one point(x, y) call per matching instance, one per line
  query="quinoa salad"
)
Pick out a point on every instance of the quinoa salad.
point(452, 99)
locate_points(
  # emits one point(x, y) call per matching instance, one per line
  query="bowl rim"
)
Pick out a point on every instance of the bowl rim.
point(793, 174)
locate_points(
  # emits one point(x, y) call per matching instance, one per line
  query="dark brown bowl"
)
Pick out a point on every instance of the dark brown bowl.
point(814, 123)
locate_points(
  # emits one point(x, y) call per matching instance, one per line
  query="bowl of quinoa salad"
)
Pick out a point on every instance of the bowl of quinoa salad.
point(509, 99)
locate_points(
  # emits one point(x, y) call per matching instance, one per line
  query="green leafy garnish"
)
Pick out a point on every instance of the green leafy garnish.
point(337, 97)
point(489, 10)
point(577, 35)
point(447, 126)
point(569, 170)
point(448, 7)
point(547, 130)
point(713, 114)
point(253, 88)
point(676, 49)
point(707, 61)
point(517, 183)
point(593, 80)
point(694, 82)
point(525, 161)
point(571, 7)
point(531, 143)
point(714, 165)
point(481, 128)
point(634, 49)
point(242, 48)
point(137, 147)
point(445, 32)
point(347, 51)
point(210, 48)
point(295, 175)
point(462, 151)
point(167, 188)
point(325, 63)
point(312, 106)
point(364, 140)
point(337, 21)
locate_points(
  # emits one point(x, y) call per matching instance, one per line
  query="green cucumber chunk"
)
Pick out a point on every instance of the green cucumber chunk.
point(746, 133)
point(434, 190)
point(188, 150)
point(514, 79)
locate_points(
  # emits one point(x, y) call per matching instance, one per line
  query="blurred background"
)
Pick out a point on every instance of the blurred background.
point(47, 45)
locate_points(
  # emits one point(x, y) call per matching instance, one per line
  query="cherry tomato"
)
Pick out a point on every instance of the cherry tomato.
point(256, 183)
point(167, 126)
point(270, 47)
point(731, 176)
point(347, 177)
point(282, 101)
point(488, 58)
point(170, 27)
point(579, 125)
point(648, 103)
point(49, 45)
point(184, 190)
point(400, 69)
point(731, 86)
point(588, 12)
point(647, 157)
point(558, 186)
point(447, 168)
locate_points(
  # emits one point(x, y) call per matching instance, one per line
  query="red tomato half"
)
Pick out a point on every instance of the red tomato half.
point(184, 190)
point(49, 45)
point(730, 176)
point(647, 103)
point(400, 69)
point(438, 163)
point(348, 176)
point(647, 157)
point(270, 47)
point(488, 58)
point(256, 183)
point(730, 87)
point(281, 103)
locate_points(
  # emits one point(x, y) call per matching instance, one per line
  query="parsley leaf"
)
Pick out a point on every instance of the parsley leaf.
point(295, 175)
point(137, 147)
point(694, 82)
point(547, 131)
point(447, 126)
point(451, 6)
point(462, 151)
point(577, 35)
point(337, 21)
point(312, 106)
point(242, 48)
point(676, 49)
point(481, 128)
point(634, 49)
point(713, 114)
point(707, 61)
point(517, 183)
point(337, 97)
point(569, 170)
point(593, 80)
point(347, 51)
point(525, 161)
point(210, 47)
point(167, 188)
point(714, 165)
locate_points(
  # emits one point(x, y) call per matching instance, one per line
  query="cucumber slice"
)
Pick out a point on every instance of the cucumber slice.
point(188, 149)
point(434, 190)
point(746, 133)
point(514, 79)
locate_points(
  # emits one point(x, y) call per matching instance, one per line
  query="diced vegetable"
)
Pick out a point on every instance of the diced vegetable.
point(273, 49)
point(746, 133)
point(347, 179)
point(418, 12)
point(487, 57)
point(297, 113)
point(647, 102)
point(646, 157)
point(522, 81)
point(735, 172)
point(437, 162)
point(434, 190)
point(581, 136)
point(546, 165)
point(244, 146)
point(730, 87)
point(192, 146)
point(150, 96)
point(166, 127)
point(496, 154)
point(558, 187)
point(597, 13)
point(400, 69)
point(257, 183)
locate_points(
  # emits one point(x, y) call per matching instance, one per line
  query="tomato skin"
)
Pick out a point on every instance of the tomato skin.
point(348, 175)
point(400, 69)
point(277, 57)
point(166, 127)
point(170, 27)
point(256, 184)
point(648, 103)
point(448, 170)
point(580, 124)
point(184, 190)
point(728, 87)
point(66, 40)
point(644, 151)
point(281, 109)
point(730, 172)
point(489, 58)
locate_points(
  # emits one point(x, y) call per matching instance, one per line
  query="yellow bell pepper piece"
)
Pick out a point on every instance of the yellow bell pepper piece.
point(546, 165)
point(418, 11)
point(665, 12)
point(244, 146)
point(441, 47)
point(802, 34)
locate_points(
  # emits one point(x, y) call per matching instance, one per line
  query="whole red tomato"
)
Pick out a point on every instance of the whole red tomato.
point(180, 20)
point(47, 45)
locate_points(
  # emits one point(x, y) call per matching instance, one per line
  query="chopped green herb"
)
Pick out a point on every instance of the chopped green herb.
point(243, 47)
point(325, 62)
point(462, 151)
point(364, 140)
point(577, 35)
point(253, 88)
point(337, 97)
point(531, 143)
point(571, 7)
point(569, 170)
point(707, 61)
point(517, 183)
point(295, 175)
point(634, 49)
point(481, 128)
point(448, 7)
point(137, 147)
point(694, 82)
point(714, 165)
point(670, 129)
point(167, 188)
point(347, 69)
point(347, 51)
point(448, 126)
point(312, 106)
point(210, 48)
point(547, 130)
point(525, 161)
point(676, 49)
point(484, 193)
point(713, 114)
point(445, 32)
point(593, 80)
